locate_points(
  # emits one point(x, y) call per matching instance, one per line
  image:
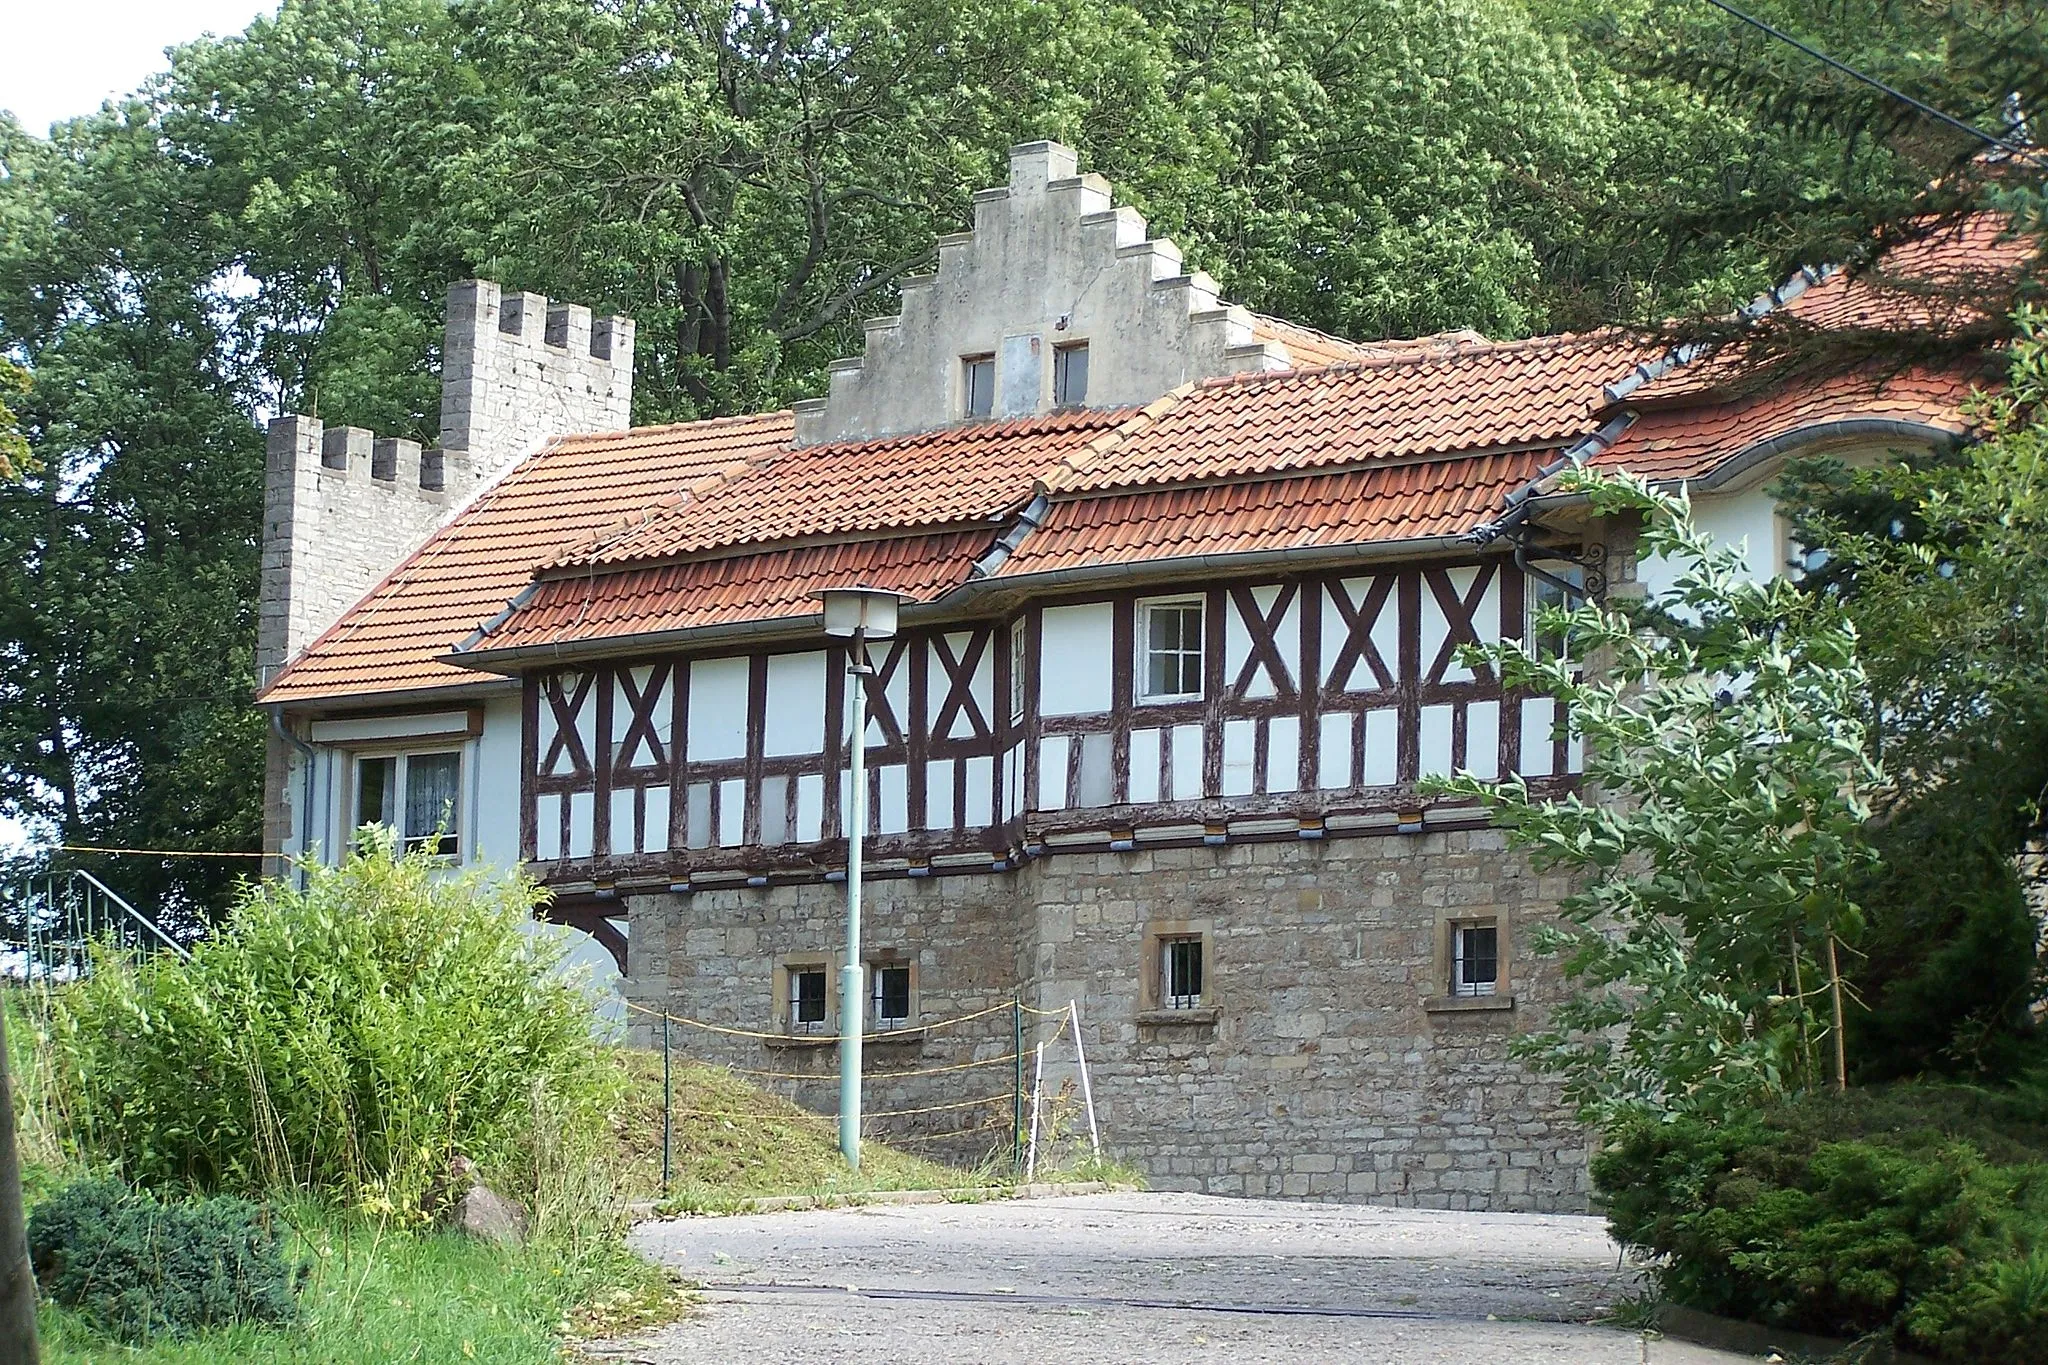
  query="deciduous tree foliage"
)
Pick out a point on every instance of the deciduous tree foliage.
point(1727, 785)
point(1939, 562)
point(271, 226)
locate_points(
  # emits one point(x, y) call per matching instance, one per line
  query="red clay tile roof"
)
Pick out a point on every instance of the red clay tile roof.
point(1410, 500)
point(975, 472)
point(1691, 442)
point(388, 642)
point(1943, 282)
point(1439, 401)
point(1306, 346)
point(772, 585)
point(723, 522)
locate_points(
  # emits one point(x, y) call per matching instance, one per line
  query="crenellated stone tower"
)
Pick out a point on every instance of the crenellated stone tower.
point(343, 507)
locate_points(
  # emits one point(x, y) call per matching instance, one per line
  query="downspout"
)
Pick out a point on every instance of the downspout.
point(310, 754)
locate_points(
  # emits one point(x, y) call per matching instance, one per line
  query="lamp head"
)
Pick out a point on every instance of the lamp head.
point(869, 613)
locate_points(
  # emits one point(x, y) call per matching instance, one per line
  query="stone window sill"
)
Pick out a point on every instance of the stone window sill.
point(894, 1037)
point(810, 1041)
point(1458, 1004)
point(802, 1041)
point(1204, 1017)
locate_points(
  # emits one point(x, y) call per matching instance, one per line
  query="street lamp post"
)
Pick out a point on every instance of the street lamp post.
point(856, 615)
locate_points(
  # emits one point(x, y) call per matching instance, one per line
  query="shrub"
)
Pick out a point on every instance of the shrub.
point(135, 1268)
point(1871, 1213)
point(347, 1039)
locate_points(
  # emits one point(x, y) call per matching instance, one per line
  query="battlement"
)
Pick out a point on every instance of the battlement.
point(1051, 265)
point(343, 506)
point(519, 369)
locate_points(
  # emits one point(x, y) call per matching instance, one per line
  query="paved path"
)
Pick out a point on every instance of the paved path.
point(1157, 1278)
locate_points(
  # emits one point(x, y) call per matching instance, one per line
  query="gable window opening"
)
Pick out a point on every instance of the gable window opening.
point(1172, 666)
point(415, 795)
point(977, 385)
point(1070, 375)
point(1547, 641)
point(1017, 657)
point(891, 987)
point(1475, 959)
point(1180, 973)
point(807, 999)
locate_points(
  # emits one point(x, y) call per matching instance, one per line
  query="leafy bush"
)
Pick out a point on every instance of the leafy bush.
point(346, 1039)
point(136, 1268)
point(1877, 1212)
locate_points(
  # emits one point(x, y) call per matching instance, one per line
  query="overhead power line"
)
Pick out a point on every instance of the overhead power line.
point(1951, 120)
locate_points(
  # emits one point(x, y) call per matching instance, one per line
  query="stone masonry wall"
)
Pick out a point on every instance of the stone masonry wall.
point(1333, 1068)
point(714, 955)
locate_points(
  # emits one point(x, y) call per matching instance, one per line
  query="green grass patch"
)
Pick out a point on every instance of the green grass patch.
point(734, 1143)
point(374, 1296)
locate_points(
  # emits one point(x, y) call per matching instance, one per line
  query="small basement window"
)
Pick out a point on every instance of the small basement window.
point(807, 999)
point(977, 385)
point(418, 795)
point(891, 985)
point(1475, 959)
point(1171, 646)
point(1180, 973)
point(1070, 375)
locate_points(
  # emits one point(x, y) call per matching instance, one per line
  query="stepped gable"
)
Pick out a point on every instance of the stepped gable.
point(1051, 264)
point(390, 641)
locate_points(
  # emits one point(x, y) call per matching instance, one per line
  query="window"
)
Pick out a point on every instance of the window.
point(1019, 638)
point(418, 795)
point(1546, 596)
point(1475, 959)
point(807, 999)
point(1070, 375)
point(1180, 973)
point(977, 385)
point(891, 984)
point(1171, 669)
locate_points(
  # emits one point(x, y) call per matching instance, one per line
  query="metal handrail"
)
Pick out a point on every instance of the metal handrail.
point(62, 914)
point(156, 930)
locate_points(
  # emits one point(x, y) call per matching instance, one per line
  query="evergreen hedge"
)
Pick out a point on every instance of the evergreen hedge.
point(1914, 1213)
point(137, 1268)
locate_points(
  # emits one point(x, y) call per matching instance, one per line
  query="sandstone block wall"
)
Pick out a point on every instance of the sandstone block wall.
point(1332, 1068)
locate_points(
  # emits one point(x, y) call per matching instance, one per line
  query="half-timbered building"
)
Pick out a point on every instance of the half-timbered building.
point(1184, 592)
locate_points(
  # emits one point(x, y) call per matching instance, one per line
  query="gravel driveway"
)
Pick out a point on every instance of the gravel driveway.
point(1146, 1277)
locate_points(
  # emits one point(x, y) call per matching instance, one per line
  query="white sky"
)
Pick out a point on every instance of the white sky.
point(62, 58)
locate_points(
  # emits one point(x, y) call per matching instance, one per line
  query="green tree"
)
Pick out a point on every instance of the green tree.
point(1938, 562)
point(126, 619)
point(1726, 786)
point(14, 452)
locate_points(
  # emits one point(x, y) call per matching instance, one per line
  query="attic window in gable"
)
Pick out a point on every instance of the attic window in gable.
point(977, 385)
point(1070, 375)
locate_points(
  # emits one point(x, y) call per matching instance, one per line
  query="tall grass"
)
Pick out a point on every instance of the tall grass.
point(345, 1040)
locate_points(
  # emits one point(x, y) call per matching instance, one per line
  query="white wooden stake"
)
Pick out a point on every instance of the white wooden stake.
point(1037, 1078)
point(1087, 1090)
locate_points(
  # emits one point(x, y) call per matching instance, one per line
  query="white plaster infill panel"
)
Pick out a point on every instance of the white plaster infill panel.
point(1075, 658)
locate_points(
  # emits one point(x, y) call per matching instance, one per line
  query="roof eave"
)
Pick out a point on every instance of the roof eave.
point(518, 658)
